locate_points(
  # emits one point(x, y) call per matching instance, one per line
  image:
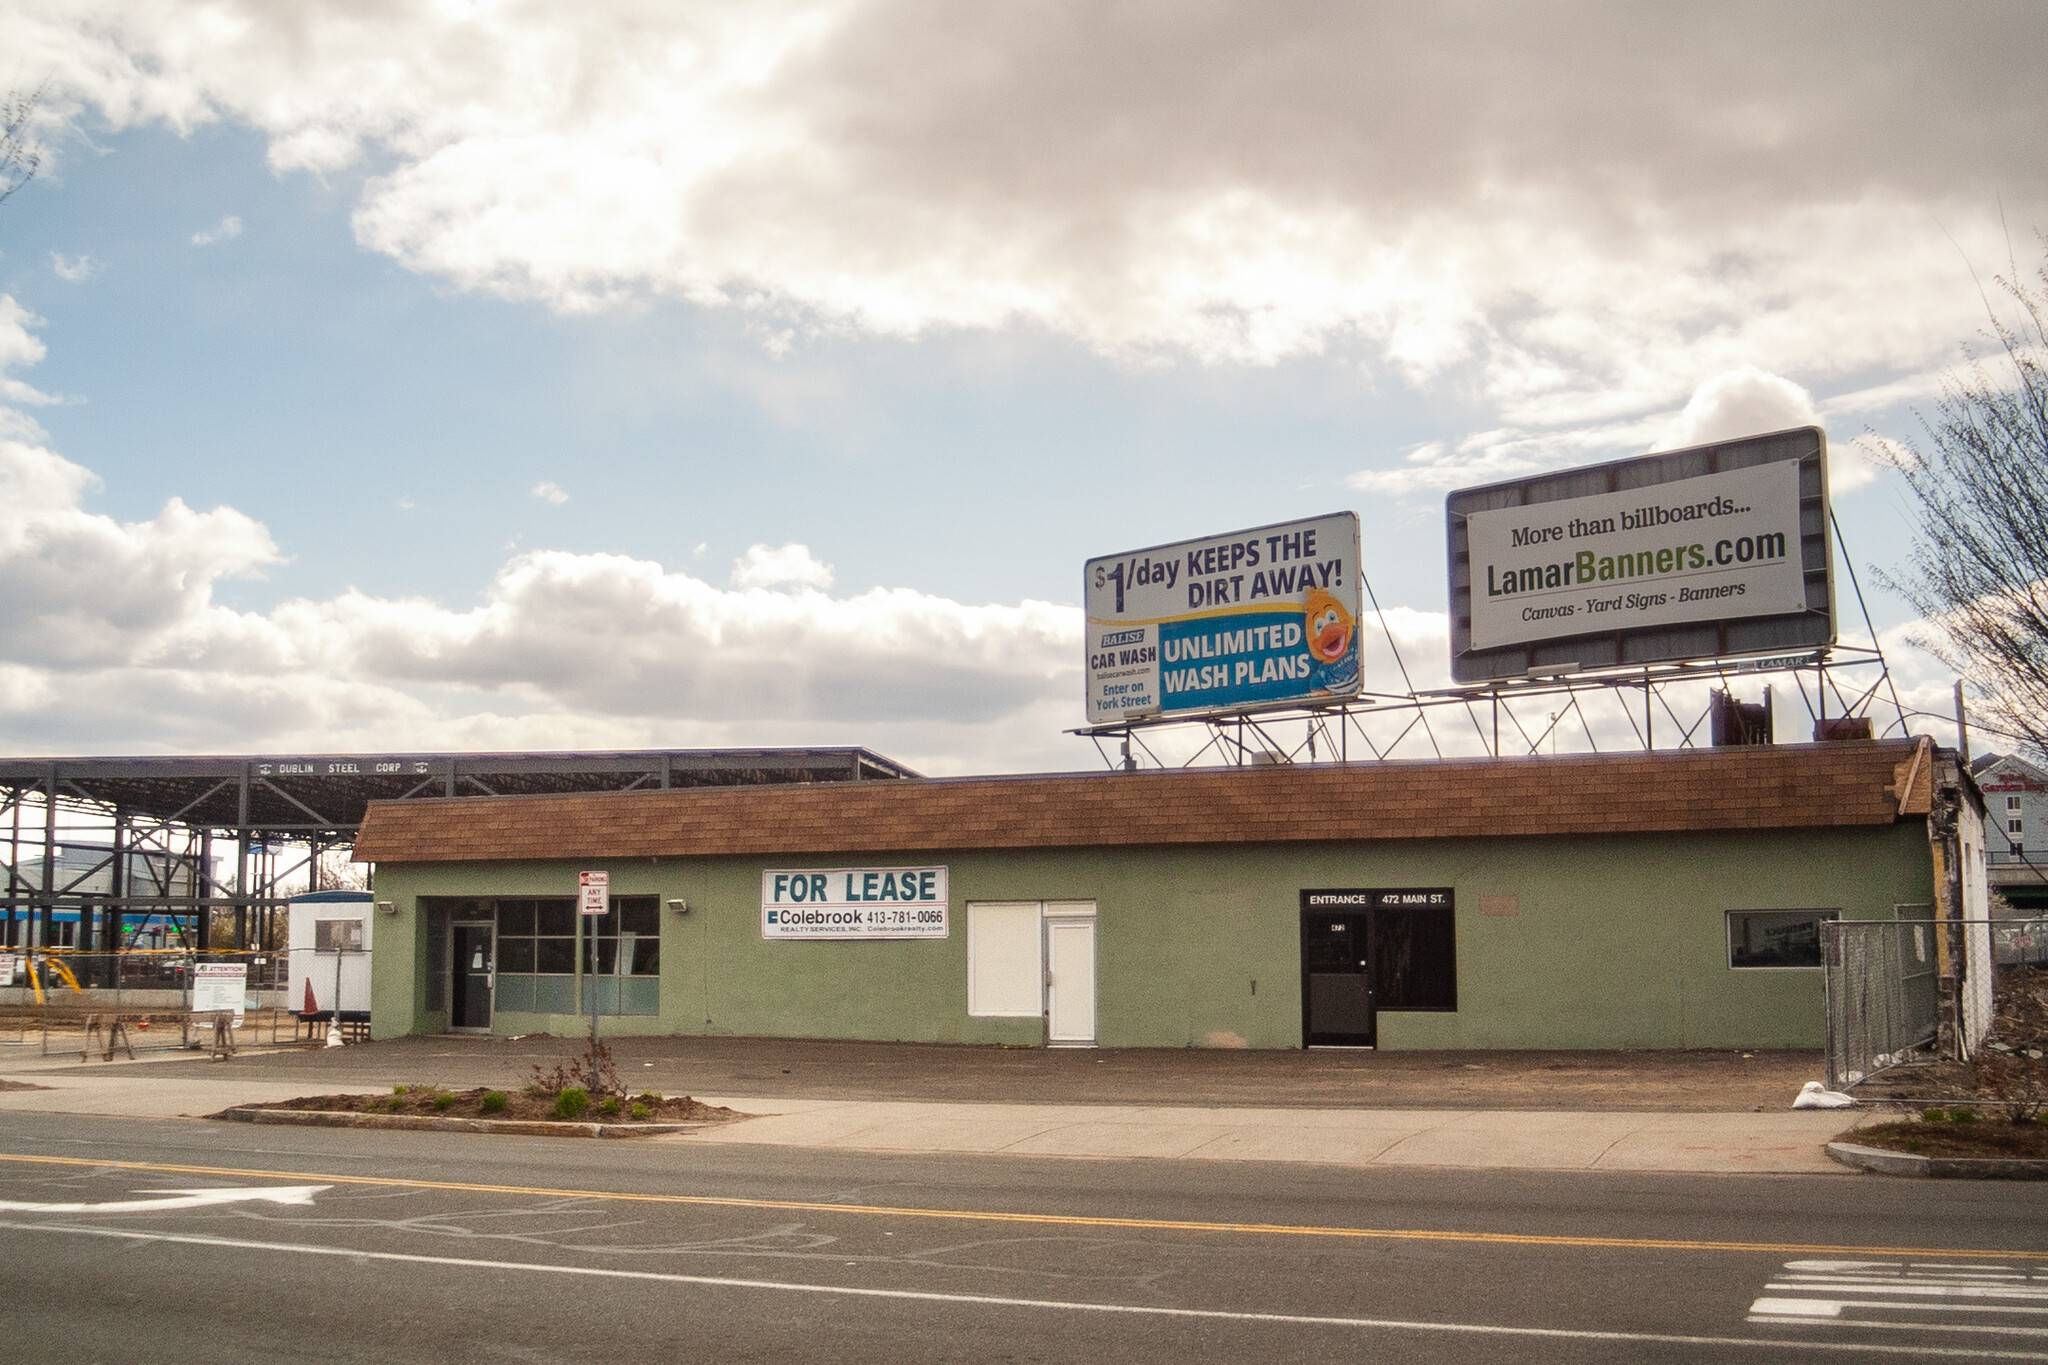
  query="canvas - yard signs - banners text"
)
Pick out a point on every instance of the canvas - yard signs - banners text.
point(1254, 619)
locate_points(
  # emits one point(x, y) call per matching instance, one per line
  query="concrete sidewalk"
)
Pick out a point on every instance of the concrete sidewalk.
point(1779, 1143)
point(1782, 1142)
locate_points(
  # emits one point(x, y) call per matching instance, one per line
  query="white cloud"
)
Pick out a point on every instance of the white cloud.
point(790, 566)
point(1572, 216)
point(227, 228)
point(112, 638)
point(1743, 402)
point(550, 492)
point(73, 269)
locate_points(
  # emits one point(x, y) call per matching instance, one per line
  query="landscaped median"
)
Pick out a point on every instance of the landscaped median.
point(1956, 1144)
point(531, 1112)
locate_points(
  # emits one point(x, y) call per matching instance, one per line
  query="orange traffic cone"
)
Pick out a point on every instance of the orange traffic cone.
point(312, 1005)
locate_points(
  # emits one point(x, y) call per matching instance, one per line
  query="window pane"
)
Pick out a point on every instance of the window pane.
point(557, 917)
point(1414, 957)
point(555, 955)
point(515, 917)
point(647, 957)
point(639, 914)
point(514, 955)
point(1775, 938)
point(437, 955)
point(607, 955)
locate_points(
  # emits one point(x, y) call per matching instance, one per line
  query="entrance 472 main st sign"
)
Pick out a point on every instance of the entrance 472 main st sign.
point(1257, 618)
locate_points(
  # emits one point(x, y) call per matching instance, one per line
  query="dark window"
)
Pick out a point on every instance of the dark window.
point(1776, 938)
point(557, 918)
point(1414, 955)
point(437, 954)
point(636, 920)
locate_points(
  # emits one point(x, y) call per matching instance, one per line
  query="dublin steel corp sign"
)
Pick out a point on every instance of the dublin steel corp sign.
point(1259, 618)
point(1684, 555)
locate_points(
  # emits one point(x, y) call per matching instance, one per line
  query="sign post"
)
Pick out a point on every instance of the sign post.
point(593, 900)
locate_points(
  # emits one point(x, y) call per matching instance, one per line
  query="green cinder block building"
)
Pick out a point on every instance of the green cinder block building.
point(1656, 900)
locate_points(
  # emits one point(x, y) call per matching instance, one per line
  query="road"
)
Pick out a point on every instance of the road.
point(130, 1241)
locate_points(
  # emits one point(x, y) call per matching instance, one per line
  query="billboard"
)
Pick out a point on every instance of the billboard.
point(1261, 618)
point(1682, 555)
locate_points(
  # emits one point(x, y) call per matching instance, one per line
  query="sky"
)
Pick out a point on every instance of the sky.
point(382, 376)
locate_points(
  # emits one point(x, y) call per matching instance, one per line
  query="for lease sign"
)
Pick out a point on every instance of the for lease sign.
point(1712, 548)
point(854, 902)
point(1256, 618)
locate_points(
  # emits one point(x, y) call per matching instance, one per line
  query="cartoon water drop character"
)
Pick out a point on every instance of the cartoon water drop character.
point(1329, 626)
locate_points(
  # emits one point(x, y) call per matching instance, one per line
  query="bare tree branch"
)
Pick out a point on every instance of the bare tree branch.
point(1978, 567)
point(20, 154)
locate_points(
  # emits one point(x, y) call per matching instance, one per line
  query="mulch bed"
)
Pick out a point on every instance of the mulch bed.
point(1987, 1137)
point(431, 1102)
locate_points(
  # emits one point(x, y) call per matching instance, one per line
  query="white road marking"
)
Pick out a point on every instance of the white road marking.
point(1917, 1352)
point(1919, 1296)
point(183, 1199)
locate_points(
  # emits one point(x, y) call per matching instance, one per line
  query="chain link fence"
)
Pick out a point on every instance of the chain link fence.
point(1883, 996)
point(60, 1001)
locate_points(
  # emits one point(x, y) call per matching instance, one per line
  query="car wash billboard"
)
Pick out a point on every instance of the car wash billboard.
point(1685, 555)
point(1266, 617)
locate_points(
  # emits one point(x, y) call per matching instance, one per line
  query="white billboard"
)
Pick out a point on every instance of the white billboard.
point(1254, 619)
point(1713, 552)
point(1705, 549)
point(853, 902)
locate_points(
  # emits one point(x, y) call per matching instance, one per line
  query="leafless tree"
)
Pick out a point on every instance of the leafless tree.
point(1978, 567)
point(20, 155)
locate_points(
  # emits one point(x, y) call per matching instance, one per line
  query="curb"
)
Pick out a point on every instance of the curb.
point(1886, 1162)
point(426, 1123)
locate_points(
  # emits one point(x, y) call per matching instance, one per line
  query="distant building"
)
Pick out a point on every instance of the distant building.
point(2015, 829)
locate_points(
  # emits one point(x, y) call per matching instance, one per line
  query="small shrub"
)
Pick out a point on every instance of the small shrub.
point(571, 1102)
point(650, 1097)
point(395, 1104)
point(399, 1089)
point(642, 1112)
point(1962, 1116)
point(494, 1101)
point(1914, 1144)
point(1933, 1115)
point(444, 1101)
point(609, 1108)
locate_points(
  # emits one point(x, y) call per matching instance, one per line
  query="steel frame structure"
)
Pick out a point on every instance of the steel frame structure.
point(280, 815)
point(1328, 733)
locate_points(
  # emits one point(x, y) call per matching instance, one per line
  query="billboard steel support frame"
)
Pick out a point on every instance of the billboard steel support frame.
point(1327, 733)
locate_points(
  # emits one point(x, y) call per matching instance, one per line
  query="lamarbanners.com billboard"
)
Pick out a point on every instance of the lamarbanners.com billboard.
point(1684, 555)
point(1260, 618)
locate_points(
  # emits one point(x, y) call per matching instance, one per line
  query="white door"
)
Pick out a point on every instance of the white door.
point(1070, 980)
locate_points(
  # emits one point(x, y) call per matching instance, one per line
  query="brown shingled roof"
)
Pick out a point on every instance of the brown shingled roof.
point(1767, 787)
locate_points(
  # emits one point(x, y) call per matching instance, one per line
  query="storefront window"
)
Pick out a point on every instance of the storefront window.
point(1776, 938)
point(536, 953)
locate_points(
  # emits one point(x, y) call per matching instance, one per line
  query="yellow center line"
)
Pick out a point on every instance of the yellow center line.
point(1070, 1220)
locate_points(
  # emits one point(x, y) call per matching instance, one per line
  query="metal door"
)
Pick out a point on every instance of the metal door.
point(1336, 978)
point(1070, 980)
point(473, 969)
